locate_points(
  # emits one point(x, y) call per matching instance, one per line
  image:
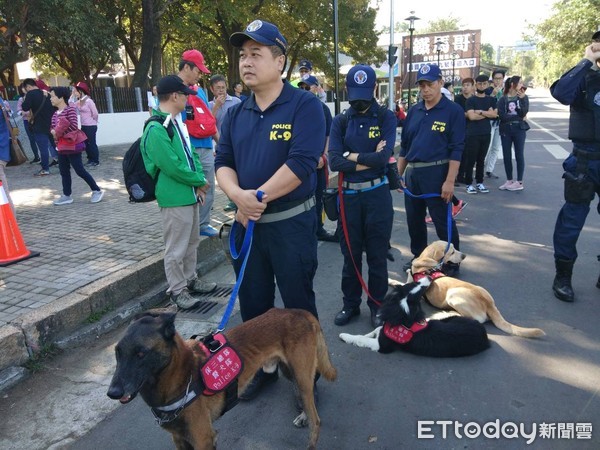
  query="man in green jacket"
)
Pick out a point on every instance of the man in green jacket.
point(180, 188)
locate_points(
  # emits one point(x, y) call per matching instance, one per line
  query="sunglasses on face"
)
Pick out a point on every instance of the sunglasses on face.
point(305, 87)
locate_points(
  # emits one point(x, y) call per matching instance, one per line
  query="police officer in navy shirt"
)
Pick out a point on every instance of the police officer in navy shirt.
point(432, 144)
point(579, 88)
point(272, 142)
point(361, 142)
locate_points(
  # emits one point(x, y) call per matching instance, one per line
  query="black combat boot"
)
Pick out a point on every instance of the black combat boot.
point(562, 281)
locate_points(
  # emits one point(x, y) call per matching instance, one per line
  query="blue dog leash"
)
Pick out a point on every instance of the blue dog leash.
point(244, 253)
point(448, 222)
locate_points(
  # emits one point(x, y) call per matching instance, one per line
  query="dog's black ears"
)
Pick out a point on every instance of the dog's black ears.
point(168, 324)
point(164, 317)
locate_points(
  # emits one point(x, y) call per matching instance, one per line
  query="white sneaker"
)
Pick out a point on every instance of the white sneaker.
point(63, 200)
point(516, 186)
point(471, 189)
point(481, 188)
point(97, 196)
point(505, 186)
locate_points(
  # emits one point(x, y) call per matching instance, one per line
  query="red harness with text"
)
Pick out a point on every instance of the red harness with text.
point(433, 275)
point(222, 367)
point(402, 335)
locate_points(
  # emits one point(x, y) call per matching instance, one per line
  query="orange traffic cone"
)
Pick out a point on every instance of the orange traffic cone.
point(12, 247)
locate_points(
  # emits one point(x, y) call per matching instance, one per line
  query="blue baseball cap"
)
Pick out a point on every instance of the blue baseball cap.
point(262, 32)
point(429, 72)
point(309, 80)
point(305, 64)
point(360, 82)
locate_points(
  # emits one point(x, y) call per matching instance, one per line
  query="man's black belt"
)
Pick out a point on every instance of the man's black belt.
point(584, 154)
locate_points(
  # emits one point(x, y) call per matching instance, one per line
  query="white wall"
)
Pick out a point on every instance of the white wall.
point(120, 128)
point(124, 128)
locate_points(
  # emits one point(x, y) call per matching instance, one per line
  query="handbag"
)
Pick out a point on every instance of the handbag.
point(17, 155)
point(73, 141)
point(331, 203)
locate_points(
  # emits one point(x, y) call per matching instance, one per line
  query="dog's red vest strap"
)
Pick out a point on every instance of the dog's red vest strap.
point(401, 334)
point(223, 366)
point(433, 275)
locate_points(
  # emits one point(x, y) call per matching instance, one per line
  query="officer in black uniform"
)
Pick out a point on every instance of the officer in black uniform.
point(362, 141)
point(580, 89)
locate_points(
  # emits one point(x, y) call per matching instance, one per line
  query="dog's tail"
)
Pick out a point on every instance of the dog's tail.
point(324, 366)
point(501, 323)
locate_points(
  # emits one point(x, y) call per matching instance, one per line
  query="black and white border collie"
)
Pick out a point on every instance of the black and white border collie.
point(405, 328)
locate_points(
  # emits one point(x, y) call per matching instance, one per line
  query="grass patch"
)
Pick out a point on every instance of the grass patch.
point(36, 362)
point(96, 316)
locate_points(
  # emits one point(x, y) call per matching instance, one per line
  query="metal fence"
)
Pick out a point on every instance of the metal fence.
point(119, 99)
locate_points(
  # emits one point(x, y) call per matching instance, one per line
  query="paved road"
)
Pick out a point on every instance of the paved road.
point(547, 384)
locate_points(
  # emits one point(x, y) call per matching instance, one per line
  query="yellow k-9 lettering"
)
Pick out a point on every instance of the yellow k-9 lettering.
point(438, 126)
point(280, 131)
point(374, 132)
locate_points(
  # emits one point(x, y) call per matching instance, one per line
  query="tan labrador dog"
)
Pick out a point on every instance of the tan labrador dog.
point(465, 298)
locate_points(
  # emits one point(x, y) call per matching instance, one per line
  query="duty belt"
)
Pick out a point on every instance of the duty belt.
point(364, 184)
point(307, 205)
point(586, 154)
point(418, 165)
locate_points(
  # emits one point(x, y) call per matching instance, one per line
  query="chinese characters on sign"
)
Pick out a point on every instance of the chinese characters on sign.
point(458, 54)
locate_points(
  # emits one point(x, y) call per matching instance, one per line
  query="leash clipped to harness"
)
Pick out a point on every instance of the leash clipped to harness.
point(220, 372)
point(244, 253)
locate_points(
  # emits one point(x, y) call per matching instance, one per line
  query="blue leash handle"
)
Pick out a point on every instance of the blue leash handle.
point(244, 253)
point(448, 222)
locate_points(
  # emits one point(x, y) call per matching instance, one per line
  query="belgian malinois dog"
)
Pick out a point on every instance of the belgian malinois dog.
point(154, 360)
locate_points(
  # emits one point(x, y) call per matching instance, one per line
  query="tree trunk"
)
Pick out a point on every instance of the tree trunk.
point(157, 55)
point(140, 79)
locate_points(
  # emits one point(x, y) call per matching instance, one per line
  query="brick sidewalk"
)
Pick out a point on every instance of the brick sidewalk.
point(80, 243)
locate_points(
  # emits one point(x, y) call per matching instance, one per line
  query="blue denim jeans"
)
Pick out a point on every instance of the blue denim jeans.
point(68, 160)
point(46, 148)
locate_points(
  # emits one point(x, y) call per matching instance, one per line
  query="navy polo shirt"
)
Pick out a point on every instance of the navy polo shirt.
point(256, 143)
point(362, 136)
point(434, 134)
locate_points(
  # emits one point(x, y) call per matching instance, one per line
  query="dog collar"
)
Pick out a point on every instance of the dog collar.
point(170, 412)
point(401, 334)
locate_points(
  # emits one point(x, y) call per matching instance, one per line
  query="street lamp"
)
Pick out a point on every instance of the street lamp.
point(411, 28)
point(454, 56)
point(438, 49)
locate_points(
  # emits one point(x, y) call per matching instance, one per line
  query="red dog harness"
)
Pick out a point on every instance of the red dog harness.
point(219, 372)
point(433, 275)
point(222, 367)
point(402, 335)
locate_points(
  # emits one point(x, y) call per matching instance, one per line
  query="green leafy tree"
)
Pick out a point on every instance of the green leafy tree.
point(309, 31)
point(14, 19)
point(562, 37)
point(75, 34)
point(449, 23)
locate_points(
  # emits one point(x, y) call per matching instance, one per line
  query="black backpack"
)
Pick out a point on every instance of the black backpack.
point(140, 185)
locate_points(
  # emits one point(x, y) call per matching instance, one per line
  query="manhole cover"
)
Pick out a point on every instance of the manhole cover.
point(209, 303)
